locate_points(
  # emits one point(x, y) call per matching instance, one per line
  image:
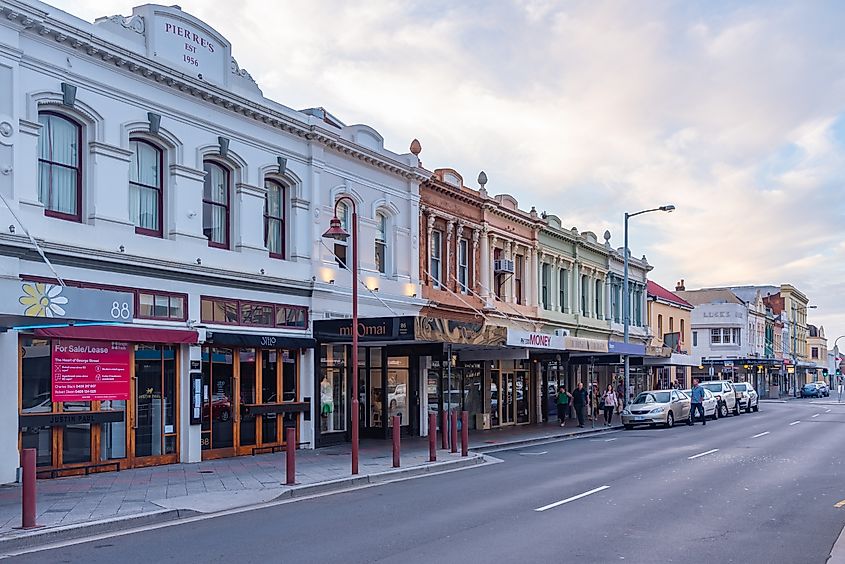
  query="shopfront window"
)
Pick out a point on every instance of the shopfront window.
point(332, 388)
point(398, 391)
point(155, 396)
point(35, 396)
point(269, 394)
point(218, 377)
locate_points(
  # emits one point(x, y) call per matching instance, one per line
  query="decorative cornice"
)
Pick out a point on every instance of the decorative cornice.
point(40, 23)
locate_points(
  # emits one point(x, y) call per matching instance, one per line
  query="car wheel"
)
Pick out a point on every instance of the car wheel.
point(670, 420)
point(629, 427)
point(723, 410)
point(748, 408)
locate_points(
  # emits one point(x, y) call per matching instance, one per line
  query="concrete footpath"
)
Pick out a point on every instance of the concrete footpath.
point(78, 506)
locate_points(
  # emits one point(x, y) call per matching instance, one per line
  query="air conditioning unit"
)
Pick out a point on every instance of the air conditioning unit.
point(503, 266)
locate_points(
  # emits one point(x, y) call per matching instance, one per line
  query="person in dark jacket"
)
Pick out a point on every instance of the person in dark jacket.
point(579, 400)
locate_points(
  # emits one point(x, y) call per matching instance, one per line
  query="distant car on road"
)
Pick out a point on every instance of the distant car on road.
point(709, 403)
point(748, 398)
point(811, 391)
point(725, 396)
point(657, 407)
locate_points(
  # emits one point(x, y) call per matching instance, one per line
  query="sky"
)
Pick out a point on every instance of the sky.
point(734, 112)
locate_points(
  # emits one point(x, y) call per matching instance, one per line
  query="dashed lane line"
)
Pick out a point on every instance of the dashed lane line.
point(711, 451)
point(817, 414)
point(573, 498)
point(839, 504)
point(794, 423)
point(764, 433)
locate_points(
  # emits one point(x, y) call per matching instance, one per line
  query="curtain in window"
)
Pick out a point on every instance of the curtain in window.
point(381, 243)
point(274, 218)
point(58, 164)
point(216, 204)
point(145, 186)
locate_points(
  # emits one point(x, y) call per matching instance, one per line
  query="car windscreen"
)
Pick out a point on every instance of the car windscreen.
point(713, 387)
point(809, 386)
point(740, 387)
point(655, 397)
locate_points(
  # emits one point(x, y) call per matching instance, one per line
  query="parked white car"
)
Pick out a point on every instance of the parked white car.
point(726, 399)
point(748, 398)
point(710, 405)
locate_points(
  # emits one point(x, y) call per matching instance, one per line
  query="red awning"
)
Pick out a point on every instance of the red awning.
point(120, 333)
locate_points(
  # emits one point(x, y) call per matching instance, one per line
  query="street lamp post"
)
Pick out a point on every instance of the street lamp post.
point(337, 232)
point(626, 300)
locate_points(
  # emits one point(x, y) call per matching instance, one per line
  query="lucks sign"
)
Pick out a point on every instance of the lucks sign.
point(90, 370)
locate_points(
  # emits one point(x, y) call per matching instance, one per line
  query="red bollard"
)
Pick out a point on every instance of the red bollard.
point(453, 435)
point(432, 437)
point(397, 422)
point(290, 456)
point(464, 433)
point(28, 497)
point(444, 435)
point(355, 424)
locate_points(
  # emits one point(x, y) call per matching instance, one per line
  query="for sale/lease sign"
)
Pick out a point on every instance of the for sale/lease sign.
point(90, 370)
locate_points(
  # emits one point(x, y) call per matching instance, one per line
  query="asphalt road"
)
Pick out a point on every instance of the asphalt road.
point(766, 495)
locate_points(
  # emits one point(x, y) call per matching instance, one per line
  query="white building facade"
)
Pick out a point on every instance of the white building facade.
point(150, 169)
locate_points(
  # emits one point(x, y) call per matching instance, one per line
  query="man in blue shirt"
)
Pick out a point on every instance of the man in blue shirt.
point(696, 402)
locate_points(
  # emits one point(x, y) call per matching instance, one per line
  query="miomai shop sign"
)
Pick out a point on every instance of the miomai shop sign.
point(535, 339)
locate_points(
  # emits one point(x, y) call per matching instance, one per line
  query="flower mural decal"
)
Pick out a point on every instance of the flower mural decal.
point(42, 300)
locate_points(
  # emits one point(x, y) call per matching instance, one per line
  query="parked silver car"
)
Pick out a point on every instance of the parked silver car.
point(657, 407)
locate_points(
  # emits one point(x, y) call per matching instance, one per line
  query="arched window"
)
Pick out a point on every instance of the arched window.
point(215, 205)
point(381, 243)
point(145, 187)
point(274, 218)
point(340, 247)
point(60, 166)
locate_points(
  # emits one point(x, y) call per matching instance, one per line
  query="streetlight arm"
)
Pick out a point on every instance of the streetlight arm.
point(629, 215)
point(347, 199)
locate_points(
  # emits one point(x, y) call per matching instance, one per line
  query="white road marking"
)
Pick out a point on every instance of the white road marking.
point(817, 414)
point(573, 498)
point(760, 434)
point(711, 451)
point(534, 453)
point(794, 423)
point(608, 440)
point(827, 411)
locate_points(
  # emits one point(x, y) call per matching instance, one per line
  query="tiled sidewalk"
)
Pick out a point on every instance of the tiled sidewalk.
point(216, 485)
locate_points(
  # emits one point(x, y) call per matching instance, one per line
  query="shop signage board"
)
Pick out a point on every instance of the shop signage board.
point(585, 344)
point(45, 303)
point(444, 330)
point(90, 370)
point(535, 339)
point(369, 329)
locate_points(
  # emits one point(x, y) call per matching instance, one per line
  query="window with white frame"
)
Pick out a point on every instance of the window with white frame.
point(463, 265)
point(585, 297)
point(435, 258)
point(60, 166)
point(274, 218)
point(216, 205)
point(598, 298)
point(145, 187)
point(545, 281)
point(563, 290)
point(381, 243)
point(726, 336)
point(517, 278)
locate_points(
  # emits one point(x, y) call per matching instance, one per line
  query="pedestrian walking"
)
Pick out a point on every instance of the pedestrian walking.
point(609, 402)
point(696, 403)
point(595, 402)
point(579, 400)
point(564, 399)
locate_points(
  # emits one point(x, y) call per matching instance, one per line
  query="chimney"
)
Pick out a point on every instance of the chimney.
point(679, 287)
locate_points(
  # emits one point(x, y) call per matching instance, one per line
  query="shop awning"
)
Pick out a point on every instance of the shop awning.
point(121, 333)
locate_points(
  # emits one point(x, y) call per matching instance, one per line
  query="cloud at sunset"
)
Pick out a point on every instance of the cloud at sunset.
point(733, 112)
